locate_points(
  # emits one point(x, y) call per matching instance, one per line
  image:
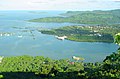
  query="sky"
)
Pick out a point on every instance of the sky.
point(59, 4)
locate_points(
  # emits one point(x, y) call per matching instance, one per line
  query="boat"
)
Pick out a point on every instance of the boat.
point(61, 38)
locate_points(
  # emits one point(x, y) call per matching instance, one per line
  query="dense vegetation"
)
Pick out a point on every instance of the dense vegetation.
point(85, 33)
point(85, 17)
point(28, 67)
point(117, 38)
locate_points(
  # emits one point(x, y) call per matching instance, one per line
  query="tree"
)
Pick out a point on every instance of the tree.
point(117, 38)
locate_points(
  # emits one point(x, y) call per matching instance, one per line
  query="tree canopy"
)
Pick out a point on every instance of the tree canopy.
point(117, 38)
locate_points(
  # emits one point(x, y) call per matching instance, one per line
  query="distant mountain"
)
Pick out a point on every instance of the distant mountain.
point(85, 17)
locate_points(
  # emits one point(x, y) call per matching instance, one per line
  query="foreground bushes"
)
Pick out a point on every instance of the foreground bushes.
point(28, 67)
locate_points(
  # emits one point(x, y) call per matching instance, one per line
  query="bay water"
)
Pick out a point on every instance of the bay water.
point(26, 40)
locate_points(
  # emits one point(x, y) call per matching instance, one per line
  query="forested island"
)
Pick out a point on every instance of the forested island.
point(85, 17)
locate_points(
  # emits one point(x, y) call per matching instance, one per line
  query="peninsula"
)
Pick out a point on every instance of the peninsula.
point(85, 17)
point(84, 33)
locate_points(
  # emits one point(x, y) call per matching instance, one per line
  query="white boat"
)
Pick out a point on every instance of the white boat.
point(78, 58)
point(61, 38)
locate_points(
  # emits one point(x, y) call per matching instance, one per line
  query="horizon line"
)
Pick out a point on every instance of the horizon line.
point(56, 10)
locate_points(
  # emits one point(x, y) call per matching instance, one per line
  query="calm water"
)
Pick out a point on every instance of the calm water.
point(26, 40)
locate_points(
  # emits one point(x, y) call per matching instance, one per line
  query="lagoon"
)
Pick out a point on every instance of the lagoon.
point(26, 40)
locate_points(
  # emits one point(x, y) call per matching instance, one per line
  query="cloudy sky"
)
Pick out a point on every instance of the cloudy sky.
point(59, 4)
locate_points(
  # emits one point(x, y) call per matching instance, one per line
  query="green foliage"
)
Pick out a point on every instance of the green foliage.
point(28, 67)
point(112, 65)
point(1, 77)
point(117, 38)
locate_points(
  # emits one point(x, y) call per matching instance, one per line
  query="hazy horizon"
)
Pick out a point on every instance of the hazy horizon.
point(60, 5)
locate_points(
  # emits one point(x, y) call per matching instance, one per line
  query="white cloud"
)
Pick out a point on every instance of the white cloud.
point(57, 4)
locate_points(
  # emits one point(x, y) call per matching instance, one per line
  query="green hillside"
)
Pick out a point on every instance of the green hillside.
point(85, 17)
point(84, 33)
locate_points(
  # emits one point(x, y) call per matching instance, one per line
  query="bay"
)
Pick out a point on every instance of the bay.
point(26, 40)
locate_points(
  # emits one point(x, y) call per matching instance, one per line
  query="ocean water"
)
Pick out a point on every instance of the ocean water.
point(26, 40)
